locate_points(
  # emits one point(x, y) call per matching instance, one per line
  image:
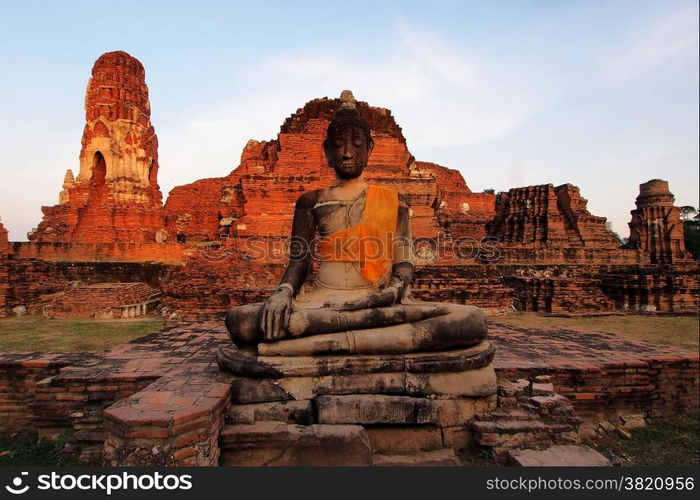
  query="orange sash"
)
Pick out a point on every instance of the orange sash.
point(371, 241)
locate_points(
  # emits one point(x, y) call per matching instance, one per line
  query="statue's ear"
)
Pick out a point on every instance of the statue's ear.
point(325, 148)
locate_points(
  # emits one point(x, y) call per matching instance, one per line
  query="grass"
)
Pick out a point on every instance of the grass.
point(475, 456)
point(24, 448)
point(677, 331)
point(36, 333)
point(668, 441)
point(671, 441)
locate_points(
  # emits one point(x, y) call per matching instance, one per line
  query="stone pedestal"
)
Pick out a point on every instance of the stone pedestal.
point(403, 409)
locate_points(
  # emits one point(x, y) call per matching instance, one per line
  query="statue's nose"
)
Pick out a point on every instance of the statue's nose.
point(347, 151)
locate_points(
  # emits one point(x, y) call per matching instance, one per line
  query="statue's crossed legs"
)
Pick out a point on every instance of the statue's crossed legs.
point(400, 328)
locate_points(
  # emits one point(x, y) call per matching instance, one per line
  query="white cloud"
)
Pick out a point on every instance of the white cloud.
point(655, 45)
point(439, 96)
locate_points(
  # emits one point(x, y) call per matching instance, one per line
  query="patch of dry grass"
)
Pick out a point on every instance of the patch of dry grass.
point(678, 331)
point(36, 333)
point(669, 441)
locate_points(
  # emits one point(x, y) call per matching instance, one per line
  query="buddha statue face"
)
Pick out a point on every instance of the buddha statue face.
point(348, 147)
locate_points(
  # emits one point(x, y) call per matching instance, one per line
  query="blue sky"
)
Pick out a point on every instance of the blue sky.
point(601, 94)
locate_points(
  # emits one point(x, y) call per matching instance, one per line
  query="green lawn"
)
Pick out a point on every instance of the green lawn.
point(679, 331)
point(36, 333)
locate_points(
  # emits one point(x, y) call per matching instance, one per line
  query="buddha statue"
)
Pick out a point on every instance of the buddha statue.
point(360, 300)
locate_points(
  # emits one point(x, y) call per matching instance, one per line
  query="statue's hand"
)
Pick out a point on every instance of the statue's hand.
point(385, 297)
point(275, 314)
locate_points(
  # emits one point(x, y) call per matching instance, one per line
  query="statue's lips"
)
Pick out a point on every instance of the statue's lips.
point(349, 169)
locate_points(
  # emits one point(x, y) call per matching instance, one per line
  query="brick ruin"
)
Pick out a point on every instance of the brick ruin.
point(545, 217)
point(4, 271)
point(220, 241)
point(656, 226)
point(544, 251)
point(104, 301)
point(4, 242)
point(257, 198)
point(110, 248)
point(115, 197)
point(161, 400)
point(36, 285)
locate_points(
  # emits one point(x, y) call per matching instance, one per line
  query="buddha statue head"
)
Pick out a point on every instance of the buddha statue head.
point(348, 141)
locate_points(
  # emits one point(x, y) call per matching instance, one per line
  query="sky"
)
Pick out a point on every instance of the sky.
point(599, 94)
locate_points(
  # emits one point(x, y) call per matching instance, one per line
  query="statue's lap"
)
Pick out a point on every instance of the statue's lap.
point(455, 326)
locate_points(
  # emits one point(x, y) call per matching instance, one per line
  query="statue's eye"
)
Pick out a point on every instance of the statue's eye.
point(358, 142)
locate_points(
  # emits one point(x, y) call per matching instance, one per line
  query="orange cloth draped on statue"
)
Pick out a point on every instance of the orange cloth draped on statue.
point(371, 241)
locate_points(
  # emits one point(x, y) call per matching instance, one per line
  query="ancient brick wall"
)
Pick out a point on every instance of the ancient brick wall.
point(547, 216)
point(206, 288)
point(4, 288)
point(479, 286)
point(4, 270)
point(29, 283)
point(35, 283)
point(549, 254)
point(165, 253)
point(649, 288)
point(213, 281)
point(585, 289)
point(203, 210)
point(603, 374)
point(19, 375)
point(654, 387)
point(459, 211)
point(4, 242)
point(555, 295)
point(104, 301)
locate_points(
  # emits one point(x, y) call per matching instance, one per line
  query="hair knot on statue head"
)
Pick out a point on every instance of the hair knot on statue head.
point(348, 115)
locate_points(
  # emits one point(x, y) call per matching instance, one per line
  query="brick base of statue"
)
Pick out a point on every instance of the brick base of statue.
point(357, 410)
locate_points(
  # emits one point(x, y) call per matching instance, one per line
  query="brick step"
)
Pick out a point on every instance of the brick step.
point(516, 414)
point(87, 437)
point(443, 457)
point(526, 421)
point(516, 426)
point(89, 444)
point(568, 455)
point(280, 444)
point(289, 412)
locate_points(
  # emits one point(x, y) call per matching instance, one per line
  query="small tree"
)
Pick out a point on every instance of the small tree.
point(691, 229)
point(489, 191)
point(613, 233)
point(687, 212)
